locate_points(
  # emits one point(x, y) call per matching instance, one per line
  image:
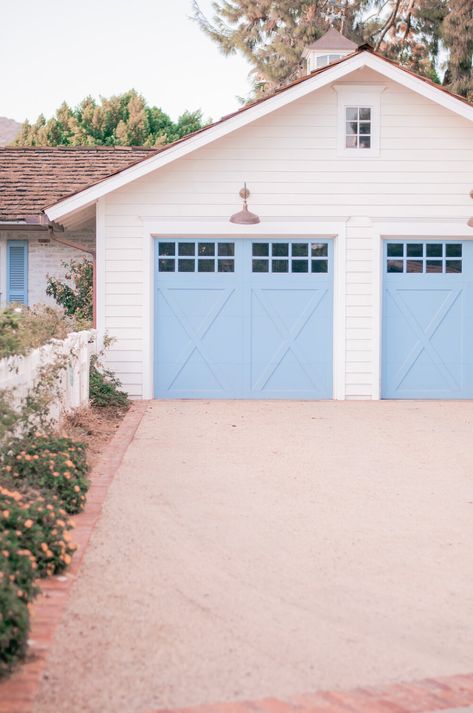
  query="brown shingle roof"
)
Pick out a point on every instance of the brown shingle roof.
point(33, 177)
point(333, 40)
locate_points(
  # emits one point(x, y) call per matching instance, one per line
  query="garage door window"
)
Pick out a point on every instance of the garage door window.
point(428, 258)
point(202, 256)
point(300, 257)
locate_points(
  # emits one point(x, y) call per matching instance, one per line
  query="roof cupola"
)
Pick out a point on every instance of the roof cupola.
point(327, 49)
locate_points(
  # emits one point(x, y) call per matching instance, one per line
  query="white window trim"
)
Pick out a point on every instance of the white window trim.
point(394, 230)
point(359, 95)
point(154, 228)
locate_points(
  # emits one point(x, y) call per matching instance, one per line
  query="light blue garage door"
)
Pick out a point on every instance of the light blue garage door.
point(243, 319)
point(428, 320)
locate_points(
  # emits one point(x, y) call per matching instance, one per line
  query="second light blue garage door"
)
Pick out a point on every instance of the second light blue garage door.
point(428, 320)
point(243, 319)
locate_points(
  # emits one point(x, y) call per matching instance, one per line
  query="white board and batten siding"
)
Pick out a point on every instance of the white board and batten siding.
point(289, 160)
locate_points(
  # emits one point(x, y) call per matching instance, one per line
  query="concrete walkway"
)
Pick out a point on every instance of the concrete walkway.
point(271, 548)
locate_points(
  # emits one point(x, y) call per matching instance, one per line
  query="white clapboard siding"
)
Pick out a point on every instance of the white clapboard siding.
point(290, 163)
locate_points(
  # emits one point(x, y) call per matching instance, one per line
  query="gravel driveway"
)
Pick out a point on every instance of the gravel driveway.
point(272, 548)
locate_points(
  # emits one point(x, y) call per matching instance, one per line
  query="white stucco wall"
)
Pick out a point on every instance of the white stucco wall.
point(289, 160)
point(43, 259)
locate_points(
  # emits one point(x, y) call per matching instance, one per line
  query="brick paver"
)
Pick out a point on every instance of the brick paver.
point(449, 694)
point(17, 693)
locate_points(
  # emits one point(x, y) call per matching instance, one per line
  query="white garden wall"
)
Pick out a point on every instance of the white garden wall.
point(290, 163)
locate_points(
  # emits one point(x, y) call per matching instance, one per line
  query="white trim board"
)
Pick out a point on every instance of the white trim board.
point(312, 83)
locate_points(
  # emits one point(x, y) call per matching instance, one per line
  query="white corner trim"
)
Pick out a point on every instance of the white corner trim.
point(100, 269)
point(148, 315)
point(3, 271)
point(339, 314)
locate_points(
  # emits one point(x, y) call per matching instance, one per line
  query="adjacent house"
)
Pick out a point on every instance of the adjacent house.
point(312, 245)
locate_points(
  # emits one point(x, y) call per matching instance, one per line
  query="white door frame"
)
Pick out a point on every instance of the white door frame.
point(395, 230)
point(335, 229)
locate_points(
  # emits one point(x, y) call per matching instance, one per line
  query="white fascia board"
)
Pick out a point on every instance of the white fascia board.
point(311, 84)
point(419, 86)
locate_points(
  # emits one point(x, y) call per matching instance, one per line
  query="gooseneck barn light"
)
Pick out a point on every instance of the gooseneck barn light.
point(244, 216)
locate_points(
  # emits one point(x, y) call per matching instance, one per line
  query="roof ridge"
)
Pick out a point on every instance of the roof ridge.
point(94, 147)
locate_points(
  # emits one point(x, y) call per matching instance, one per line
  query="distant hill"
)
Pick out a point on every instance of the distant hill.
point(9, 128)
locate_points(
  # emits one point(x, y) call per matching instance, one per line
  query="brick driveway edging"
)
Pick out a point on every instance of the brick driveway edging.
point(428, 694)
point(17, 693)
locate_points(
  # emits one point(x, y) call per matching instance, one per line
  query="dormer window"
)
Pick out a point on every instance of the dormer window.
point(324, 59)
point(327, 49)
point(358, 127)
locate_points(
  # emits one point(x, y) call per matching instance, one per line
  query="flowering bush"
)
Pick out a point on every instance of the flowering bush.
point(53, 463)
point(19, 567)
point(30, 522)
point(14, 625)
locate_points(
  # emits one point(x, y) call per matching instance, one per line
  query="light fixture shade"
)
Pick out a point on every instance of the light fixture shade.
point(245, 216)
point(470, 222)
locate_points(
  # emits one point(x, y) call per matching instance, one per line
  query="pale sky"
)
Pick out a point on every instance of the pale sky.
point(56, 50)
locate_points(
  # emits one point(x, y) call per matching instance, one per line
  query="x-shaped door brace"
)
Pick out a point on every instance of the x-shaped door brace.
point(196, 335)
point(424, 336)
point(288, 335)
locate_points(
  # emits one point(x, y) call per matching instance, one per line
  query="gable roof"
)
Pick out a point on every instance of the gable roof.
point(364, 56)
point(33, 177)
point(332, 40)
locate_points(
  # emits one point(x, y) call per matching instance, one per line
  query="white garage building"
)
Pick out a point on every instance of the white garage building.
point(357, 283)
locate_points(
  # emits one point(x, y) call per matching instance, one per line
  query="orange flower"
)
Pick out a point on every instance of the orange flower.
point(28, 523)
point(67, 559)
point(76, 489)
point(67, 475)
point(6, 513)
point(69, 464)
point(44, 547)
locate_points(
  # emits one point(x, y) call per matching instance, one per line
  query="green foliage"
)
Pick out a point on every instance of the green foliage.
point(53, 464)
point(23, 329)
point(75, 294)
point(122, 120)
point(19, 567)
point(41, 526)
point(104, 387)
point(14, 625)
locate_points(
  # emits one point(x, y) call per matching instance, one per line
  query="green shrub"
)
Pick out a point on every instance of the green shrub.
point(77, 292)
point(104, 388)
point(25, 328)
point(51, 463)
point(14, 625)
point(19, 567)
point(32, 523)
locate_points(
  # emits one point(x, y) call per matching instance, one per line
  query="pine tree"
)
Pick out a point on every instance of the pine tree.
point(121, 120)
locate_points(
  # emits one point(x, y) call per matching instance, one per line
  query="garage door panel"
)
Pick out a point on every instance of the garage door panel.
point(427, 339)
point(251, 333)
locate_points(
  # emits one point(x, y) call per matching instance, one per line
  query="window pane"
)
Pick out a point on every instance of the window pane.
point(226, 265)
point(365, 113)
point(434, 266)
point(415, 250)
point(414, 266)
point(365, 127)
point(206, 248)
point(280, 249)
point(453, 249)
point(319, 265)
point(166, 265)
point(352, 128)
point(351, 142)
point(300, 249)
point(167, 249)
point(395, 249)
point(454, 266)
point(260, 249)
point(206, 265)
point(300, 266)
point(186, 265)
point(352, 113)
point(319, 249)
point(186, 248)
point(434, 249)
point(260, 265)
point(280, 266)
point(395, 266)
point(226, 249)
point(365, 142)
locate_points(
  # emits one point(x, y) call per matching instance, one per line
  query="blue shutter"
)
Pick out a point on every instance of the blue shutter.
point(17, 271)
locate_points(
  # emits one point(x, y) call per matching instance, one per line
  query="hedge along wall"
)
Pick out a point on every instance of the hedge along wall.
point(71, 359)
